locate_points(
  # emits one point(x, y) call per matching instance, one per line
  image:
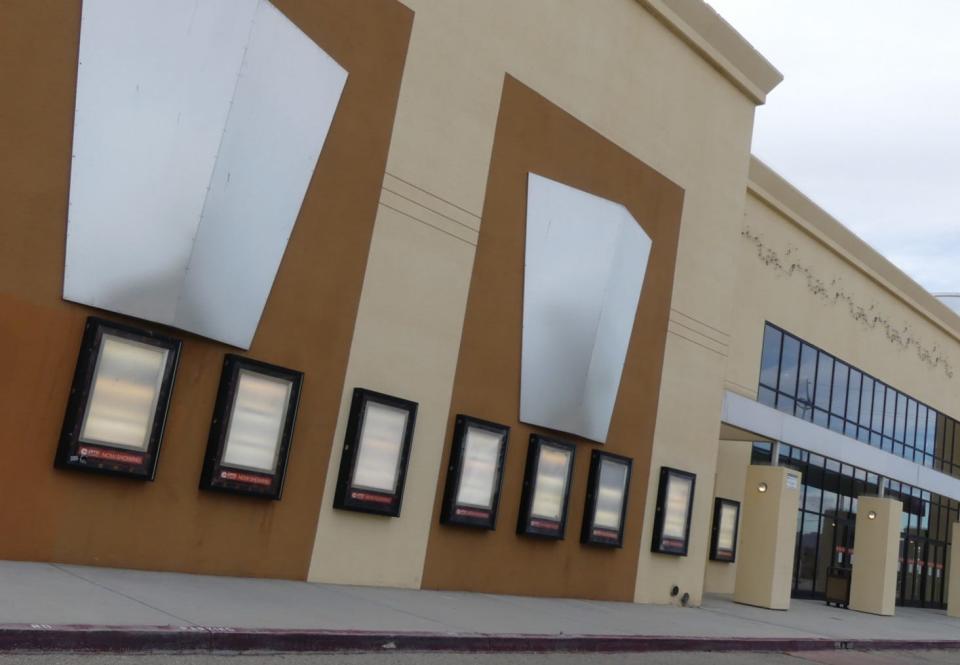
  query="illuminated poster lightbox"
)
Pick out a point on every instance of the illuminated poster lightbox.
point(671, 525)
point(546, 488)
point(472, 491)
point(605, 511)
point(726, 522)
point(252, 428)
point(375, 452)
point(118, 401)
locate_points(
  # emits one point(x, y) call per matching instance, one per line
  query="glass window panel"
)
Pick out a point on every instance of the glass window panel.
point(820, 417)
point(786, 404)
point(824, 381)
point(381, 441)
point(551, 483)
point(256, 421)
point(807, 545)
point(879, 390)
point(836, 424)
point(478, 473)
point(901, 417)
point(853, 395)
point(679, 490)
point(610, 491)
point(726, 533)
point(761, 452)
point(766, 396)
point(808, 373)
point(931, 430)
point(125, 389)
point(770, 357)
point(910, 433)
point(921, 427)
point(812, 498)
point(866, 399)
point(830, 503)
point(850, 430)
point(956, 444)
point(889, 411)
point(839, 401)
point(789, 363)
point(944, 440)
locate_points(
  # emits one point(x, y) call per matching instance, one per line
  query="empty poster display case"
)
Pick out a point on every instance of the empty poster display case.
point(472, 492)
point(118, 402)
point(546, 488)
point(671, 525)
point(252, 428)
point(375, 452)
point(605, 511)
point(726, 522)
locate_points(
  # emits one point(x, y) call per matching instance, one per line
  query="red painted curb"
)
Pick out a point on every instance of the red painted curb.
point(43, 637)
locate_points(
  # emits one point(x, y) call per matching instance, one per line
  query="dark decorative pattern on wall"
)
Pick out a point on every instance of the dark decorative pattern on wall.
point(833, 292)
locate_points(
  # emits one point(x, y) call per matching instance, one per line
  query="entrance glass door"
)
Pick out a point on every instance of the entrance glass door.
point(922, 565)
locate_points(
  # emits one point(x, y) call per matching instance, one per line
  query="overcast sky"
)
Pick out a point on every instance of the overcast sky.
point(867, 119)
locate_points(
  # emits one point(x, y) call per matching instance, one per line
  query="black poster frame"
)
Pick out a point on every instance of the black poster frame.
point(346, 495)
point(222, 477)
point(100, 456)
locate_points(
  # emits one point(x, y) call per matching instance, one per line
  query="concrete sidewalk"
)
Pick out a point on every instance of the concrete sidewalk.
point(55, 606)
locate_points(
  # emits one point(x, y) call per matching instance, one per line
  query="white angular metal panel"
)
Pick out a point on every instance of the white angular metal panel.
point(586, 258)
point(198, 126)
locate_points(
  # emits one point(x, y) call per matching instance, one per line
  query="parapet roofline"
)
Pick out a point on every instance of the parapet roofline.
point(705, 31)
point(768, 186)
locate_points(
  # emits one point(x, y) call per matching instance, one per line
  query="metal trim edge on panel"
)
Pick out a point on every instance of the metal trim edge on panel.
point(584, 267)
point(197, 130)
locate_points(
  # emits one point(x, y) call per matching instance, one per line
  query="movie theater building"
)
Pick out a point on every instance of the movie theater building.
point(484, 296)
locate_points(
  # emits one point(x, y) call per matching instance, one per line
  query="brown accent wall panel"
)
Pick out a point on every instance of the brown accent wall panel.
point(534, 135)
point(307, 324)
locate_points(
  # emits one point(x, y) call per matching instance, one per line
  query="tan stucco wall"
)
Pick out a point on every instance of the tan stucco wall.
point(953, 581)
point(169, 524)
point(816, 280)
point(876, 547)
point(767, 536)
point(732, 462)
point(620, 70)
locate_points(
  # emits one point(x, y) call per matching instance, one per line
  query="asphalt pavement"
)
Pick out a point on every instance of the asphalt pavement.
point(663, 658)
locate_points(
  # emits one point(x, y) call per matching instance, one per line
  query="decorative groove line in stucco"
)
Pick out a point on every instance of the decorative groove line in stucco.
point(832, 291)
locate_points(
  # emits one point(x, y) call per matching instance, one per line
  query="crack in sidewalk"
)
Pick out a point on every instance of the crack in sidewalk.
point(119, 593)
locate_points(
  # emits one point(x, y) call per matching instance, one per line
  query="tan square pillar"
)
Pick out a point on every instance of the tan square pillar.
point(953, 587)
point(876, 548)
point(768, 534)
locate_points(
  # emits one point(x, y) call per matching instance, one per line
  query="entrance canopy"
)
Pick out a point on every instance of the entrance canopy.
point(744, 419)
